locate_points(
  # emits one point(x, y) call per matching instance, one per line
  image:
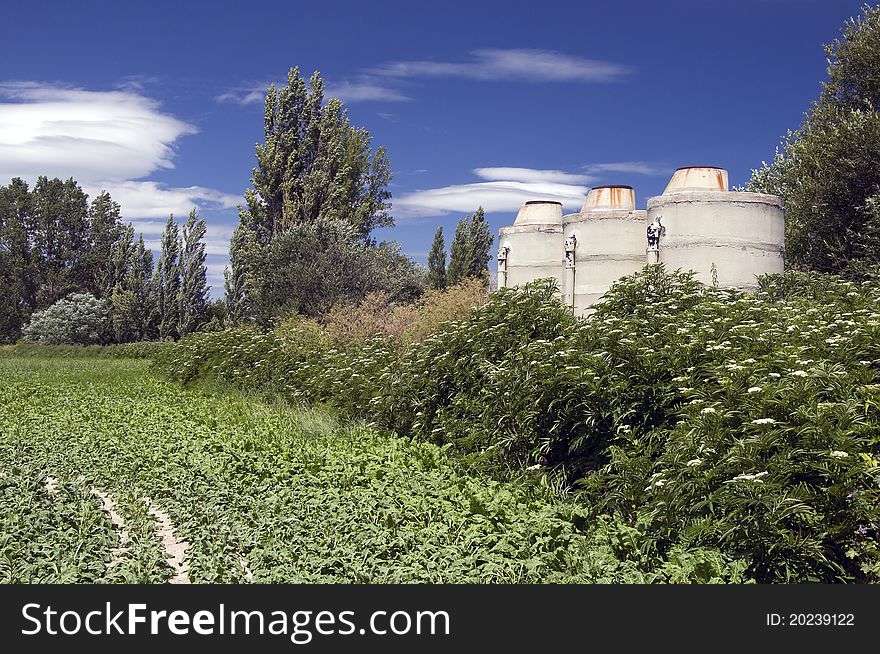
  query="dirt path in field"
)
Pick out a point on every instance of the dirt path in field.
point(242, 561)
point(111, 510)
point(175, 548)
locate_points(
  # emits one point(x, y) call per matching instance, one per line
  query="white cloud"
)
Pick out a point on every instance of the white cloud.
point(91, 135)
point(363, 90)
point(633, 167)
point(244, 96)
point(381, 83)
point(510, 64)
point(105, 140)
point(532, 176)
point(507, 190)
point(153, 200)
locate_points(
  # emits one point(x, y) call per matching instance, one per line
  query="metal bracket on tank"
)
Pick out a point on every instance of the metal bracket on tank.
point(502, 265)
point(569, 246)
point(655, 231)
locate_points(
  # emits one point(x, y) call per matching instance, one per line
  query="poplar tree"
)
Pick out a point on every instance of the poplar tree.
point(194, 283)
point(133, 300)
point(480, 240)
point(437, 262)
point(59, 231)
point(469, 256)
point(105, 230)
point(315, 174)
point(459, 253)
point(18, 280)
point(167, 282)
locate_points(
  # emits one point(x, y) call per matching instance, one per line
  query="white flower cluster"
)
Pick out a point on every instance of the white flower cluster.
point(754, 477)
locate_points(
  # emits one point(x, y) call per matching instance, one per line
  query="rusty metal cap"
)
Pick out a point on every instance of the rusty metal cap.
point(611, 196)
point(698, 178)
point(539, 212)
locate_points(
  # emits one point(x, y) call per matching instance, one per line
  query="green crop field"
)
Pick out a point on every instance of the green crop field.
point(111, 474)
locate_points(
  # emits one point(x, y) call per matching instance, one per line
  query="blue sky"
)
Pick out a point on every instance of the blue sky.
point(477, 102)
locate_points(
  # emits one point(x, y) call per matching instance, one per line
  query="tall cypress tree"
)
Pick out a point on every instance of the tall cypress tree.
point(244, 248)
point(194, 276)
point(459, 253)
point(480, 240)
point(167, 282)
point(312, 167)
point(437, 262)
point(105, 230)
point(18, 282)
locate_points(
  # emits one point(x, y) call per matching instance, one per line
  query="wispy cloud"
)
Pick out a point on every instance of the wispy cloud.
point(629, 167)
point(253, 94)
point(518, 64)
point(106, 140)
point(533, 176)
point(506, 189)
point(382, 83)
point(364, 90)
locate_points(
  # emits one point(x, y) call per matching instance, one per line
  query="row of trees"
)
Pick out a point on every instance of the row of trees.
point(469, 254)
point(55, 243)
point(828, 171)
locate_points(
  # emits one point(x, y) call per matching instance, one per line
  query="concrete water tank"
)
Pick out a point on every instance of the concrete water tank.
point(609, 242)
point(531, 248)
point(708, 228)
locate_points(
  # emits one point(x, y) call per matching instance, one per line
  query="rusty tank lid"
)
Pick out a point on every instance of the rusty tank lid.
point(539, 212)
point(610, 196)
point(698, 178)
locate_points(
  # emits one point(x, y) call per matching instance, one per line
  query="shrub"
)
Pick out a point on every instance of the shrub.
point(314, 266)
point(80, 319)
point(729, 429)
point(378, 315)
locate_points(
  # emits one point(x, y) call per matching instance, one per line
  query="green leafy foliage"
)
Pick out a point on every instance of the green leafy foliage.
point(319, 190)
point(743, 424)
point(271, 494)
point(828, 171)
point(469, 255)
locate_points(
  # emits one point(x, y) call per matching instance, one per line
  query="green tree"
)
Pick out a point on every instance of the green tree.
point(18, 275)
point(119, 260)
point(133, 306)
point(312, 267)
point(459, 253)
point(105, 231)
point(828, 171)
point(480, 239)
point(194, 276)
point(469, 256)
point(245, 248)
point(167, 282)
point(315, 171)
point(437, 262)
point(314, 163)
point(59, 232)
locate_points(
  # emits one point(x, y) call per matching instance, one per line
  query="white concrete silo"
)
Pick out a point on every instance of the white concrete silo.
point(732, 236)
point(531, 248)
point(607, 237)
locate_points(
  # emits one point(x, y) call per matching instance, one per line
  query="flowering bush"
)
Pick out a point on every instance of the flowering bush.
point(740, 423)
point(79, 318)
